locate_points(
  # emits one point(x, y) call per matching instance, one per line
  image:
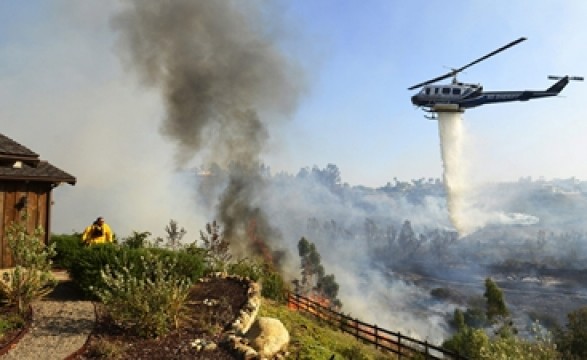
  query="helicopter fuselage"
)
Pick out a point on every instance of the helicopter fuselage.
point(457, 97)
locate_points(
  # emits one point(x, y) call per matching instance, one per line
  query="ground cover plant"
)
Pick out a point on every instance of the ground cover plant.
point(312, 339)
point(210, 308)
point(150, 303)
point(29, 280)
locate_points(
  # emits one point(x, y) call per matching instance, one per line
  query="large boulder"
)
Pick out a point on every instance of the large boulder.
point(268, 336)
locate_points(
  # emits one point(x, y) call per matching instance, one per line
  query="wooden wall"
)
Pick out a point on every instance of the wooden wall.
point(38, 206)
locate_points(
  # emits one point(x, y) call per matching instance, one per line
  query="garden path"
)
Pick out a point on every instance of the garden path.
point(61, 324)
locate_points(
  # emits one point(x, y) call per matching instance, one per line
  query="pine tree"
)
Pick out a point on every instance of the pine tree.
point(495, 303)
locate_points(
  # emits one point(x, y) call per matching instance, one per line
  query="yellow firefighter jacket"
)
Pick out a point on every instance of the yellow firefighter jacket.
point(96, 234)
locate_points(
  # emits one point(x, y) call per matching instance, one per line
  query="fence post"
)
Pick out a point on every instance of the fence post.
point(426, 349)
point(376, 337)
point(399, 345)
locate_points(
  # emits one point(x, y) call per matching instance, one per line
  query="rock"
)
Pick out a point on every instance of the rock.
point(268, 336)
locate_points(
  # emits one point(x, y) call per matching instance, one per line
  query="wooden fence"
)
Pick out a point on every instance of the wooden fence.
point(403, 346)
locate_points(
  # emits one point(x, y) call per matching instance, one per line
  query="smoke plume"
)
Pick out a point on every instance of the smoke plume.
point(219, 70)
point(450, 128)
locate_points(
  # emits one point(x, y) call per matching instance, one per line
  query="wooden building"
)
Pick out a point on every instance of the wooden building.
point(26, 183)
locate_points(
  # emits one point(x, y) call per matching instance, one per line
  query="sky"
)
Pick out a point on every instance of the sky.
point(66, 94)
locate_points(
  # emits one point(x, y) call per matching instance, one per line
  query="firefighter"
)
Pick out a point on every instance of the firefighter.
point(97, 233)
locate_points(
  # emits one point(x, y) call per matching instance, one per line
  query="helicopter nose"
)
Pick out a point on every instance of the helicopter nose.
point(415, 100)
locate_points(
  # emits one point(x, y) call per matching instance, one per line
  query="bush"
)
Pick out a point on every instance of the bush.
point(273, 286)
point(67, 248)
point(137, 240)
point(150, 301)
point(246, 268)
point(86, 270)
point(31, 278)
point(189, 264)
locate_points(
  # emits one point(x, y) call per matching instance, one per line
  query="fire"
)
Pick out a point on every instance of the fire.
point(259, 245)
point(313, 303)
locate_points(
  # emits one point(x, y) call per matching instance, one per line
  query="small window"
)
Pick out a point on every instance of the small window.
point(435, 90)
point(446, 91)
point(427, 91)
point(456, 91)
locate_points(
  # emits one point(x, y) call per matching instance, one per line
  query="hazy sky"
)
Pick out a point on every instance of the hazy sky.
point(65, 94)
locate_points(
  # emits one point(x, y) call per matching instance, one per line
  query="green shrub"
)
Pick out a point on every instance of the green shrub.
point(85, 271)
point(11, 321)
point(31, 278)
point(150, 301)
point(189, 264)
point(137, 240)
point(67, 248)
point(246, 268)
point(273, 286)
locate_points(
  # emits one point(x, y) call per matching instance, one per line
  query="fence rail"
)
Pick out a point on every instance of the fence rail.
point(403, 346)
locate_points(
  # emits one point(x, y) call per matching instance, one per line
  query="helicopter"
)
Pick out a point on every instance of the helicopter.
point(458, 96)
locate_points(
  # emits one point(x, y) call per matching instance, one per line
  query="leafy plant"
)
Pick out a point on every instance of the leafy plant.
point(273, 287)
point(217, 246)
point(495, 303)
point(86, 271)
point(247, 267)
point(67, 248)
point(10, 321)
point(104, 349)
point(31, 278)
point(150, 302)
point(572, 341)
point(137, 240)
point(174, 234)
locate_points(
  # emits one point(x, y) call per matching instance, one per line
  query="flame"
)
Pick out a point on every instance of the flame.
point(259, 246)
point(324, 302)
point(367, 331)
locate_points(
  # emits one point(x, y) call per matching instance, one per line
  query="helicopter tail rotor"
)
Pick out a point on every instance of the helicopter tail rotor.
point(575, 78)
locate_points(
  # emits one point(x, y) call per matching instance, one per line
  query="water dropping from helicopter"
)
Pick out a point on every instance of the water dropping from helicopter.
point(450, 130)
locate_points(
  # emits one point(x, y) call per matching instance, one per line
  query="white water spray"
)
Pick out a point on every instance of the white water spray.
point(450, 128)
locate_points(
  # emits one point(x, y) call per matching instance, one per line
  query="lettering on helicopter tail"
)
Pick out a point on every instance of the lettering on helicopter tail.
point(504, 96)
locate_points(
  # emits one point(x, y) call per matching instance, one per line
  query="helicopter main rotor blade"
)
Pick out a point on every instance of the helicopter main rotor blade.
point(456, 71)
point(516, 42)
point(445, 76)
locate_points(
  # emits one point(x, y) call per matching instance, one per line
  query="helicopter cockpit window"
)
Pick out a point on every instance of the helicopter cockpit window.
point(446, 91)
point(427, 91)
point(456, 91)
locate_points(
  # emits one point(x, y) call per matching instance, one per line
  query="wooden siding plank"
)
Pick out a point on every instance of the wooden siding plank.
point(44, 204)
point(2, 225)
point(9, 216)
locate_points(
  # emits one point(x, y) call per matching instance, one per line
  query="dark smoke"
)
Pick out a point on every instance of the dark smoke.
point(219, 70)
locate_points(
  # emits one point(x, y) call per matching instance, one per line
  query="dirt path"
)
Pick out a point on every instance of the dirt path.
point(61, 325)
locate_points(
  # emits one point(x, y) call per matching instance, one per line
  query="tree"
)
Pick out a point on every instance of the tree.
point(467, 342)
point(174, 234)
point(572, 342)
point(495, 303)
point(137, 240)
point(459, 319)
point(314, 276)
point(216, 244)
